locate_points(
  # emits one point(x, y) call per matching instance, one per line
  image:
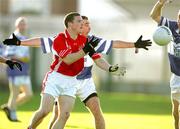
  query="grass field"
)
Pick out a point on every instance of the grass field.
point(121, 111)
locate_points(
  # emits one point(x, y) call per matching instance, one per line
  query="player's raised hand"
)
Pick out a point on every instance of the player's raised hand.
point(13, 64)
point(142, 43)
point(14, 41)
point(165, 1)
point(116, 70)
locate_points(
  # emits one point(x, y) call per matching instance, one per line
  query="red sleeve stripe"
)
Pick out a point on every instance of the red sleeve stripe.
point(63, 53)
point(96, 56)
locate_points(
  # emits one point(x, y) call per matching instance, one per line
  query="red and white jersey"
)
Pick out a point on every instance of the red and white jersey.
point(104, 47)
point(62, 46)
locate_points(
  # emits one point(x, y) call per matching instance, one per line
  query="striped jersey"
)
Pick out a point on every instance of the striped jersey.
point(173, 49)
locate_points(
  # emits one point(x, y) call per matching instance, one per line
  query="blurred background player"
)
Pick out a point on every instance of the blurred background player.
point(173, 53)
point(19, 82)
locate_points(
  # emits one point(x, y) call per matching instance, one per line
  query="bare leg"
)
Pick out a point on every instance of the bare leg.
point(47, 102)
point(175, 112)
point(14, 91)
point(65, 105)
point(93, 105)
point(55, 115)
point(25, 95)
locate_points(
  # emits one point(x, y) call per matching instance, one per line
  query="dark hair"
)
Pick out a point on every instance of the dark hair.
point(84, 17)
point(70, 17)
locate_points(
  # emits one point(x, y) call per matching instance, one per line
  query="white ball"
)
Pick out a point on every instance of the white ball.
point(162, 35)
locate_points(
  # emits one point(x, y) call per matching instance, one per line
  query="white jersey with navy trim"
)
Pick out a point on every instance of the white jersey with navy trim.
point(173, 50)
point(104, 47)
point(17, 51)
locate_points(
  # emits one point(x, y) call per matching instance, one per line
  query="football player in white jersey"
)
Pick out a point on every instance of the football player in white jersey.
point(19, 81)
point(173, 53)
point(87, 91)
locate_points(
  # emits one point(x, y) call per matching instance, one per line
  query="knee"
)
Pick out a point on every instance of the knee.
point(29, 95)
point(64, 116)
point(98, 114)
point(175, 113)
point(43, 112)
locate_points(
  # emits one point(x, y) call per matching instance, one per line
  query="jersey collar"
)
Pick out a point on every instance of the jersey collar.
point(67, 35)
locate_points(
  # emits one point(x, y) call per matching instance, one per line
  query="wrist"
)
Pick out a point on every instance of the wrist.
point(85, 50)
point(160, 3)
point(7, 61)
point(110, 68)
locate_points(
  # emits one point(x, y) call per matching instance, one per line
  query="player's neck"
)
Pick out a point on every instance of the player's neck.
point(85, 34)
point(72, 34)
point(20, 32)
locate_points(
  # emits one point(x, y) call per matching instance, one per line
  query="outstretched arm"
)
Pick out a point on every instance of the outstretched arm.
point(156, 12)
point(114, 69)
point(138, 44)
point(122, 44)
point(102, 63)
point(33, 42)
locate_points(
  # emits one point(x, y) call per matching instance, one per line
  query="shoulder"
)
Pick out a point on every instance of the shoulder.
point(96, 37)
point(59, 41)
point(168, 22)
point(59, 38)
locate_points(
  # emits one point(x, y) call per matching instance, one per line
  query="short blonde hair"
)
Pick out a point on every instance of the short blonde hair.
point(19, 20)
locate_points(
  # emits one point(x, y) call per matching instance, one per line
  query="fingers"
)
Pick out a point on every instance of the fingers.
point(140, 38)
point(14, 36)
point(118, 71)
point(146, 48)
point(19, 67)
point(136, 50)
point(148, 44)
point(148, 40)
point(114, 68)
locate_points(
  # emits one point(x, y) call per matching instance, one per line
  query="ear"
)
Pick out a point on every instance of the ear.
point(69, 24)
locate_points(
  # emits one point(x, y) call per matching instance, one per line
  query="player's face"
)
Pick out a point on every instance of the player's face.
point(85, 27)
point(22, 26)
point(77, 24)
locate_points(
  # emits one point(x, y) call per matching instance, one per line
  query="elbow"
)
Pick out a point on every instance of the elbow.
point(67, 62)
point(152, 16)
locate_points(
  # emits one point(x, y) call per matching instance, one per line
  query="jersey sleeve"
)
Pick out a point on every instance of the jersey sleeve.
point(60, 47)
point(104, 46)
point(46, 44)
point(96, 56)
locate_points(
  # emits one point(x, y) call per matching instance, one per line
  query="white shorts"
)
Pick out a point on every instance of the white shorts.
point(175, 84)
point(86, 88)
point(20, 81)
point(57, 84)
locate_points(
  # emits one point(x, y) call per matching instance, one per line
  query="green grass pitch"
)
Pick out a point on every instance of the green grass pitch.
point(121, 111)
